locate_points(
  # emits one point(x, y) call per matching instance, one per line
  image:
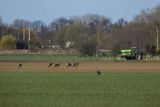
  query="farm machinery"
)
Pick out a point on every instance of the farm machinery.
point(133, 53)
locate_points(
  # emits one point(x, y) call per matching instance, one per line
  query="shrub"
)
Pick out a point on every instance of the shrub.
point(8, 42)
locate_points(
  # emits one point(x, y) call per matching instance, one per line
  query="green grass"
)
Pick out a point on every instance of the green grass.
point(79, 89)
point(59, 57)
point(43, 57)
point(50, 57)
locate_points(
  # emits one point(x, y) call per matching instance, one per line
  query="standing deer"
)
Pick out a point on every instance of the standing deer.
point(68, 64)
point(75, 64)
point(19, 65)
point(50, 65)
point(56, 65)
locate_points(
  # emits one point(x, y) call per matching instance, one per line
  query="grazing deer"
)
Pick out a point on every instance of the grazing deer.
point(19, 65)
point(68, 64)
point(76, 64)
point(72, 64)
point(56, 65)
point(50, 65)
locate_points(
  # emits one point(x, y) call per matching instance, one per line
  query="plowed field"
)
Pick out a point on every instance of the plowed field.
point(84, 66)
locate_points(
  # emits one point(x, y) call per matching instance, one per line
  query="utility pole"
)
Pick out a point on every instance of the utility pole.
point(98, 43)
point(24, 34)
point(98, 39)
point(29, 39)
point(49, 43)
point(1, 20)
point(157, 38)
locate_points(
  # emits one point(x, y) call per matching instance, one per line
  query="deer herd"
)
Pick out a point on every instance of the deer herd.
point(68, 64)
point(55, 65)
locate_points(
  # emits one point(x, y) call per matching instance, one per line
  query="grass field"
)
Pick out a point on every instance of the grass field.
point(49, 57)
point(61, 57)
point(28, 89)
point(122, 83)
point(42, 57)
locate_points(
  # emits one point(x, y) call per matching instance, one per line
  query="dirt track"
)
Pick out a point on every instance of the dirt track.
point(85, 66)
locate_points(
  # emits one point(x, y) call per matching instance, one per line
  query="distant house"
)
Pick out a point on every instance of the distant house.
point(68, 44)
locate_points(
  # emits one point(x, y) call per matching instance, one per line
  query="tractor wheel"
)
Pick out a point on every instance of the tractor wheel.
point(128, 58)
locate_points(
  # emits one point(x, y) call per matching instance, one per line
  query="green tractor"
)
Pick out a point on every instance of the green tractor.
point(132, 54)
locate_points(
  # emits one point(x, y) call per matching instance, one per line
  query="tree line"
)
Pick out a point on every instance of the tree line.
point(87, 34)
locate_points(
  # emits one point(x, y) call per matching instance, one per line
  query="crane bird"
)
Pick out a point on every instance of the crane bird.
point(98, 71)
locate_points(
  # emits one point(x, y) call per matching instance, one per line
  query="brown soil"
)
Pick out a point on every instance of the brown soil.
point(84, 66)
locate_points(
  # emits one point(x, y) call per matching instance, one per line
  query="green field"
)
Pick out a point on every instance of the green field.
point(49, 57)
point(59, 57)
point(79, 89)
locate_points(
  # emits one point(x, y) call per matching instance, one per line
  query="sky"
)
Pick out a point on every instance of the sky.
point(49, 10)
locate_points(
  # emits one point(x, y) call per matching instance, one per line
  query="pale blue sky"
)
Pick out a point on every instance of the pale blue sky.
point(48, 10)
